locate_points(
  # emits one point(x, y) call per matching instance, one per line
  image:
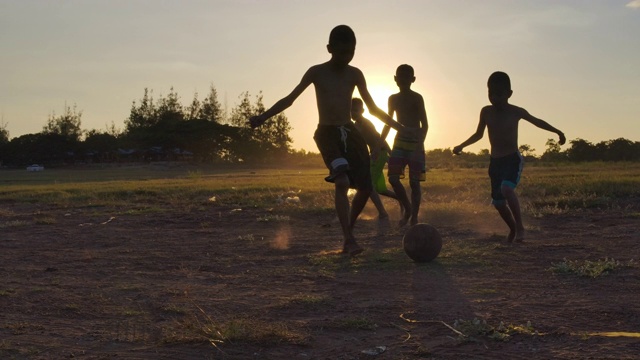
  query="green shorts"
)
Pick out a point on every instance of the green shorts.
point(377, 166)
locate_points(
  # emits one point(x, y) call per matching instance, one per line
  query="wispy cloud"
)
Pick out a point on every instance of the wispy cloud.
point(635, 4)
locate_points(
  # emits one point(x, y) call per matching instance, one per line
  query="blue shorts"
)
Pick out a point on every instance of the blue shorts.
point(504, 170)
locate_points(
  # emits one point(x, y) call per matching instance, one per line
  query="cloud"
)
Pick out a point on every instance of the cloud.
point(635, 4)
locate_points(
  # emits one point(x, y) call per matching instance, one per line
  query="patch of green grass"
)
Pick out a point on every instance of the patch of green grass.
point(174, 309)
point(131, 312)
point(7, 292)
point(309, 301)
point(247, 238)
point(467, 253)
point(47, 220)
point(477, 328)
point(14, 223)
point(273, 218)
point(72, 307)
point(588, 268)
point(354, 323)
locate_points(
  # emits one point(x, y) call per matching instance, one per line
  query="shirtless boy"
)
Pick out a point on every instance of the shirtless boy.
point(505, 167)
point(408, 146)
point(343, 148)
point(379, 151)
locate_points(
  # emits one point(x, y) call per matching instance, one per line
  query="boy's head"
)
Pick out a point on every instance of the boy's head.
point(342, 44)
point(404, 76)
point(357, 108)
point(499, 86)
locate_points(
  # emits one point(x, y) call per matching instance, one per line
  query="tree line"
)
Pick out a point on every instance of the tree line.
point(579, 150)
point(157, 129)
point(164, 129)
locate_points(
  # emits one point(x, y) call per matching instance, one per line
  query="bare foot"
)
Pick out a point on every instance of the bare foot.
point(383, 216)
point(511, 236)
point(520, 235)
point(404, 220)
point(352, 248)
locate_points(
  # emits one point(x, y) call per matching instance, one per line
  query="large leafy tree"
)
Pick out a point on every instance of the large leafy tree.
point(269, 141)
point(582, 150)
point(67, 125)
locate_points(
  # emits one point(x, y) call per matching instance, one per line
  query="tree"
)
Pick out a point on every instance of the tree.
point(210, 108)
point(619, 150)
point(581, 150)
point(143, 115)
point(4, 133)
point(526, 150)
point(67, 125)
point(553, 151)
point(271, 140)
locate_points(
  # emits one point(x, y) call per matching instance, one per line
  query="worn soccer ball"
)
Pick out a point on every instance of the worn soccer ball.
point(422, 243)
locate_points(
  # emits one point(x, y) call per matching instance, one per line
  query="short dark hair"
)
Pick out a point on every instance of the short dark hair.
point(405, 69)
point(342, 34)
point(499, 79)
point(357, 101)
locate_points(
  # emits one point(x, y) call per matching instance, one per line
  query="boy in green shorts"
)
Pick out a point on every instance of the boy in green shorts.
point(379, 150)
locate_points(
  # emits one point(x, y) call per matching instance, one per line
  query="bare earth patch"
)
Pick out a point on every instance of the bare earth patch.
point(224, 283)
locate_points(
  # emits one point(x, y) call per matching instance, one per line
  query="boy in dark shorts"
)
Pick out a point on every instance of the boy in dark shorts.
point(379, 152)
point(501, 119)
point(408, 146)
point(342, 147)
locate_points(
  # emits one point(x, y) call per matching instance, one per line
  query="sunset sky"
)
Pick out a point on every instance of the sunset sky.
point(575, 64)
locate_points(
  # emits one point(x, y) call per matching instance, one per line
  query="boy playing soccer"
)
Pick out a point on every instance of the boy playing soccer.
point(342, 147)
point(379, 150)
point(505, 167)
point(408, 146)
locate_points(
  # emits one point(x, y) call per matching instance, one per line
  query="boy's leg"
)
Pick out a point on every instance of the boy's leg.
point(514, 205)
point(416, 199)
point(375, 198)
point(350, 245)
point(401, 193)
point(506, 215)
point(358, 203)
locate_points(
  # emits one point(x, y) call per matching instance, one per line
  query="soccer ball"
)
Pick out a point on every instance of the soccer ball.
point(422, 243)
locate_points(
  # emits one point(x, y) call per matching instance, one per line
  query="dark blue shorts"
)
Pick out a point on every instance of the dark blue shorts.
point(504, 170)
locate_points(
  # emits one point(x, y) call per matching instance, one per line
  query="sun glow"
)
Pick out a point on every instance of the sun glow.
point(380, 90)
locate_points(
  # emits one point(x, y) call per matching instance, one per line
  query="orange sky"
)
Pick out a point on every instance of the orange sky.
point(572, 63)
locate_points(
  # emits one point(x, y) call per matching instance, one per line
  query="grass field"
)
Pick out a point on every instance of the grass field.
point(196, 262)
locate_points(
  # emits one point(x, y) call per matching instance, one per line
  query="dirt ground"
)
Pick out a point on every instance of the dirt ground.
point(94, 283)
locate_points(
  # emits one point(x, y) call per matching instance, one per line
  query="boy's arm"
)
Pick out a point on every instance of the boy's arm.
point(387, 128)
point(424, 124)
point(543, 125)
point(283, 103)
point(371, 105)
point(473, 138)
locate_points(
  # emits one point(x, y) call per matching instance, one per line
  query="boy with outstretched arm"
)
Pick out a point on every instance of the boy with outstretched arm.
point(501, 119)
point(342, 147)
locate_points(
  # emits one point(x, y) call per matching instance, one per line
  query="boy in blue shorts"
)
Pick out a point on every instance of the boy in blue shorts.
point(408, 146)
point(501, 119)
point(379, 152)
point(342, 147)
